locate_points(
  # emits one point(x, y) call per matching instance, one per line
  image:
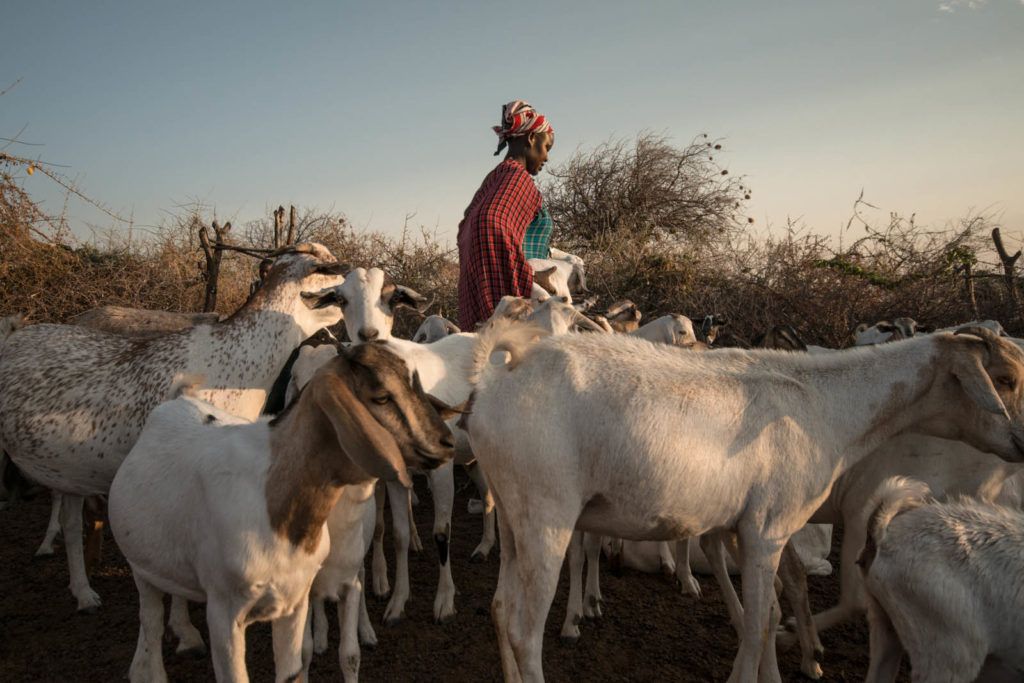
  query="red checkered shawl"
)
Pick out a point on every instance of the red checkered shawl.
point(491, 261)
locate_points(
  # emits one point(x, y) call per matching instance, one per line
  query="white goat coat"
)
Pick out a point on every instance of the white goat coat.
point(630, 425)
point(205, 491)
point(946, 579)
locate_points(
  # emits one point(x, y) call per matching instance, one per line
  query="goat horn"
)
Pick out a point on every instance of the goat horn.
point(586, 323)
point(986, 335)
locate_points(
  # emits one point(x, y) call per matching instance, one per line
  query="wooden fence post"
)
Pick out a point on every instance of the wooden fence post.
point(278, 226)
point(1008, 276)
point(213, 254)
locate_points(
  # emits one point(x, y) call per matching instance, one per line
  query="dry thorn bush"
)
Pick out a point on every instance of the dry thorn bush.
point(658, 225)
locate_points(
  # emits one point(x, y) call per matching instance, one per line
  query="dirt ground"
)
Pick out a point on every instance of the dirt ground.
point(649, 632)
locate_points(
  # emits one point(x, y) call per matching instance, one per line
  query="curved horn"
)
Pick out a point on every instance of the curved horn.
point(984, 333)
point(586, 323)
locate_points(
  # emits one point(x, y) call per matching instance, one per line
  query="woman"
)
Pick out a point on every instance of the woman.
point(506, 209)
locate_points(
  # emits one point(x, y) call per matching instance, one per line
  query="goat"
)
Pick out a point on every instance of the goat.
point(73, 400)
point(756, 438)
point(711, 326)
point(369, 300)
point(241, 524)
point(781, 337)
point(137, 323)
point(443, 367)
point(623, 316)
point(905, 328)
point(943, 583)
point(885, 331)
point(674, 330)
point(11, 482)
point(434, 327)
point(948, 467)
point(561, 274)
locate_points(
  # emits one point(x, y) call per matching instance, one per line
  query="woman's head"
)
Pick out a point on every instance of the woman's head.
point(527, 133)
point(531, 149)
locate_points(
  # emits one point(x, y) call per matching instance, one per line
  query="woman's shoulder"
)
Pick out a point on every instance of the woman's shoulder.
point(511, 173)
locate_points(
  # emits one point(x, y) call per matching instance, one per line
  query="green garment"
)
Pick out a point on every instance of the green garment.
point(537, 239)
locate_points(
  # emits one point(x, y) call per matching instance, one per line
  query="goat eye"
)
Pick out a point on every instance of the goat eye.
point(1007, 382)
point(381, 400)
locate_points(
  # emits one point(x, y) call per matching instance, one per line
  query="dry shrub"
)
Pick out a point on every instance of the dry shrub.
point(649, 245)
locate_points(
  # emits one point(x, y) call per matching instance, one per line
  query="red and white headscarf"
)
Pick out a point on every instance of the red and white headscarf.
point(519, 118)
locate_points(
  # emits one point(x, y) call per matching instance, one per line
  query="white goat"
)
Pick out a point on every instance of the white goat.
point(73, 400)
point(210, 507)
point(948, 467)
point(561, 274)
point(369, 301)
point(905, 328)
point(943, 582)
point(443, 367)
point(756, 438)
point(674, 330)
point(434, 327)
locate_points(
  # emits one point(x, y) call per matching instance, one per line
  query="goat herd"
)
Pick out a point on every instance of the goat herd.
point(577, 443)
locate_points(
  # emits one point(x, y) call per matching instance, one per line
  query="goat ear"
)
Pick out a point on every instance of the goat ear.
point(543, 278)
point(360, 436)
point(976, 383)
point(444, 410)
point(410, 298)
point(323, 298)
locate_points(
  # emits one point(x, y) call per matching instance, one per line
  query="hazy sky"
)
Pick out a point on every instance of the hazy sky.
point(379, 110)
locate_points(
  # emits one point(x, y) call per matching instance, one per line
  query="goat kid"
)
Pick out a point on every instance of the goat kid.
point(942, 580)
point(210, 507)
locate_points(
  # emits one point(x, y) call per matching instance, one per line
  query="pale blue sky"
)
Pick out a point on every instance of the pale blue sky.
point(382, 109)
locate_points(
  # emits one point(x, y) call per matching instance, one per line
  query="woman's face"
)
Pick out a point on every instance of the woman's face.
point(537, 150)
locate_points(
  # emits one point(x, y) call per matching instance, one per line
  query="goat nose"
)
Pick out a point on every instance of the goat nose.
point(368, 333)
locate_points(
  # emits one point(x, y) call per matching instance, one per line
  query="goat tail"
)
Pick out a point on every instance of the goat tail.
point(186, 384)
point(503, 335)
point(896, 495)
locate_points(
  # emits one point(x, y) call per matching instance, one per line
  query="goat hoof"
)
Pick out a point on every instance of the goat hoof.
point(441, 621)
point(92, 609)
point(477, 558)
point(569, 640)
point(383, 597)
point(393, 621)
